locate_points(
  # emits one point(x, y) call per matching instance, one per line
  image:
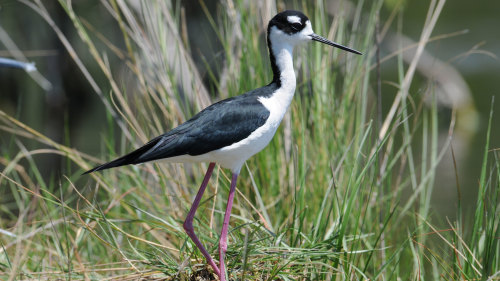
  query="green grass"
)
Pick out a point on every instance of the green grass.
point(326, 200)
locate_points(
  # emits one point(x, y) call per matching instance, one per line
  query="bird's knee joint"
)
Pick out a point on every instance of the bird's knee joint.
point(188, 226)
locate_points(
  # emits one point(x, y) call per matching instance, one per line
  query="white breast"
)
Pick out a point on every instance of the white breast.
point(233, 156)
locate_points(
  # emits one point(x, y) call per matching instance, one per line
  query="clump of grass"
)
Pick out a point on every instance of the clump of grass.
point(324, 201)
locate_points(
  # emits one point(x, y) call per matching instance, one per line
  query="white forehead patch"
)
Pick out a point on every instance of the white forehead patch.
point(308, 28)
point(293, 19)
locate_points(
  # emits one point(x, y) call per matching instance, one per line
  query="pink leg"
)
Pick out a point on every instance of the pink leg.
point(188, 223)
point(225, 225)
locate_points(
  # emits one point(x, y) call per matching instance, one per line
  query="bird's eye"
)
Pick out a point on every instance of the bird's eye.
point(296, 26)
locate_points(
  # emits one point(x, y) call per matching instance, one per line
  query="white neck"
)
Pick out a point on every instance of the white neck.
point(283, 54)
point(284, 61)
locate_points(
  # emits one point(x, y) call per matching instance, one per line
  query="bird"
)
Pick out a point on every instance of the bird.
point(232, 130)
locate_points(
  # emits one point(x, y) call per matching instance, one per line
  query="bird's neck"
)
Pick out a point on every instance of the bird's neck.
point(281, 55)
point(284, 77)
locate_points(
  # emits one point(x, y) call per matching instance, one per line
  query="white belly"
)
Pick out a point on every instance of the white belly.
point(234, 156)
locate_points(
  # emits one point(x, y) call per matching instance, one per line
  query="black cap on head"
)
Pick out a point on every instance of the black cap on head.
point(289, 21)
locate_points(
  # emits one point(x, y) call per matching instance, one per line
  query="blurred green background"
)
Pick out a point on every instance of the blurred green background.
point(70, 112)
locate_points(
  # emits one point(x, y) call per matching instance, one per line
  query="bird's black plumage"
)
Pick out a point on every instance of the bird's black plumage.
point(217, 126)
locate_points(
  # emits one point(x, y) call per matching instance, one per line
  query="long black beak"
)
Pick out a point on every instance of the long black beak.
point(318, 38)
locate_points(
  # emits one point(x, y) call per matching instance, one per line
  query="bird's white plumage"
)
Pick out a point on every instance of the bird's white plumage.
point(305, 34)
point(293, 19)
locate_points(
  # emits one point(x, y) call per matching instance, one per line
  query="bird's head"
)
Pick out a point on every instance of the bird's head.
point(293, 27)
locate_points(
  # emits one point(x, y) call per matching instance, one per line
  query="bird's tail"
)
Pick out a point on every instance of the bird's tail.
point(133, 157)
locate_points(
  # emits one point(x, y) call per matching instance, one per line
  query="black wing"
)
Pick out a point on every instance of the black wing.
point(219, 125)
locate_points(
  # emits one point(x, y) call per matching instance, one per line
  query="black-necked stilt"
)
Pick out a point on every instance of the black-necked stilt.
point(232, 130)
